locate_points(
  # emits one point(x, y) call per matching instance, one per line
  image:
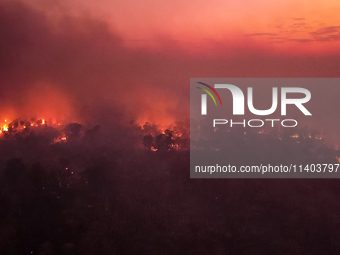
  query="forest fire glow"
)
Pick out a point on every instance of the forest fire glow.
point(25, 127)
point(5, 128)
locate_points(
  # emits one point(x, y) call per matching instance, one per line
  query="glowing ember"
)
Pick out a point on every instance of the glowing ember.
point(295, 136)
point(175, 146)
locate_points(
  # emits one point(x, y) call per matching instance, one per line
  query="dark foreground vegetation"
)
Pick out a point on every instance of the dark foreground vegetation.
point(128, 191)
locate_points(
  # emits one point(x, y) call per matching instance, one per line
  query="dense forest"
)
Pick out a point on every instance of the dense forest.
point(127, 190)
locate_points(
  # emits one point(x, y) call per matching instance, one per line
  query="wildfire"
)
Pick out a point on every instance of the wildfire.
point(18, 125)
point(60, 139)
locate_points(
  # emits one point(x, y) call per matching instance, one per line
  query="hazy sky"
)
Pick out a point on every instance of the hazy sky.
point(80, 60)
point(206, 21)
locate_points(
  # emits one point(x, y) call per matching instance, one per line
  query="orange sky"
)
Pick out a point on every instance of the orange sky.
point(302, 24)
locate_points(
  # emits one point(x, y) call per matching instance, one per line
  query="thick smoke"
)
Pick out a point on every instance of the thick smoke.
point(75, 68)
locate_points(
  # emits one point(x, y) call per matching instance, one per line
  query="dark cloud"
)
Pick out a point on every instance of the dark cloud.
point(326, 30)
point(324, 34)
point(331, 33)
point(301, 40)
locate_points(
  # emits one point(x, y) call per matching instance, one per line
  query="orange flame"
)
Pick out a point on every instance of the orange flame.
point(5, 127)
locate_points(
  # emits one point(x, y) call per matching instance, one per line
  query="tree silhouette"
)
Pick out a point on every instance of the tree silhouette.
point(148, 141)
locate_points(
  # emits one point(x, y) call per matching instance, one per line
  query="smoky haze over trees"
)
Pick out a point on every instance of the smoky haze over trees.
point(106, 192)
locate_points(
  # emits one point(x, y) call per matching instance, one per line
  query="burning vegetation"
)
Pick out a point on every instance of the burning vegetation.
point(151, 136)
point(21, 127)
